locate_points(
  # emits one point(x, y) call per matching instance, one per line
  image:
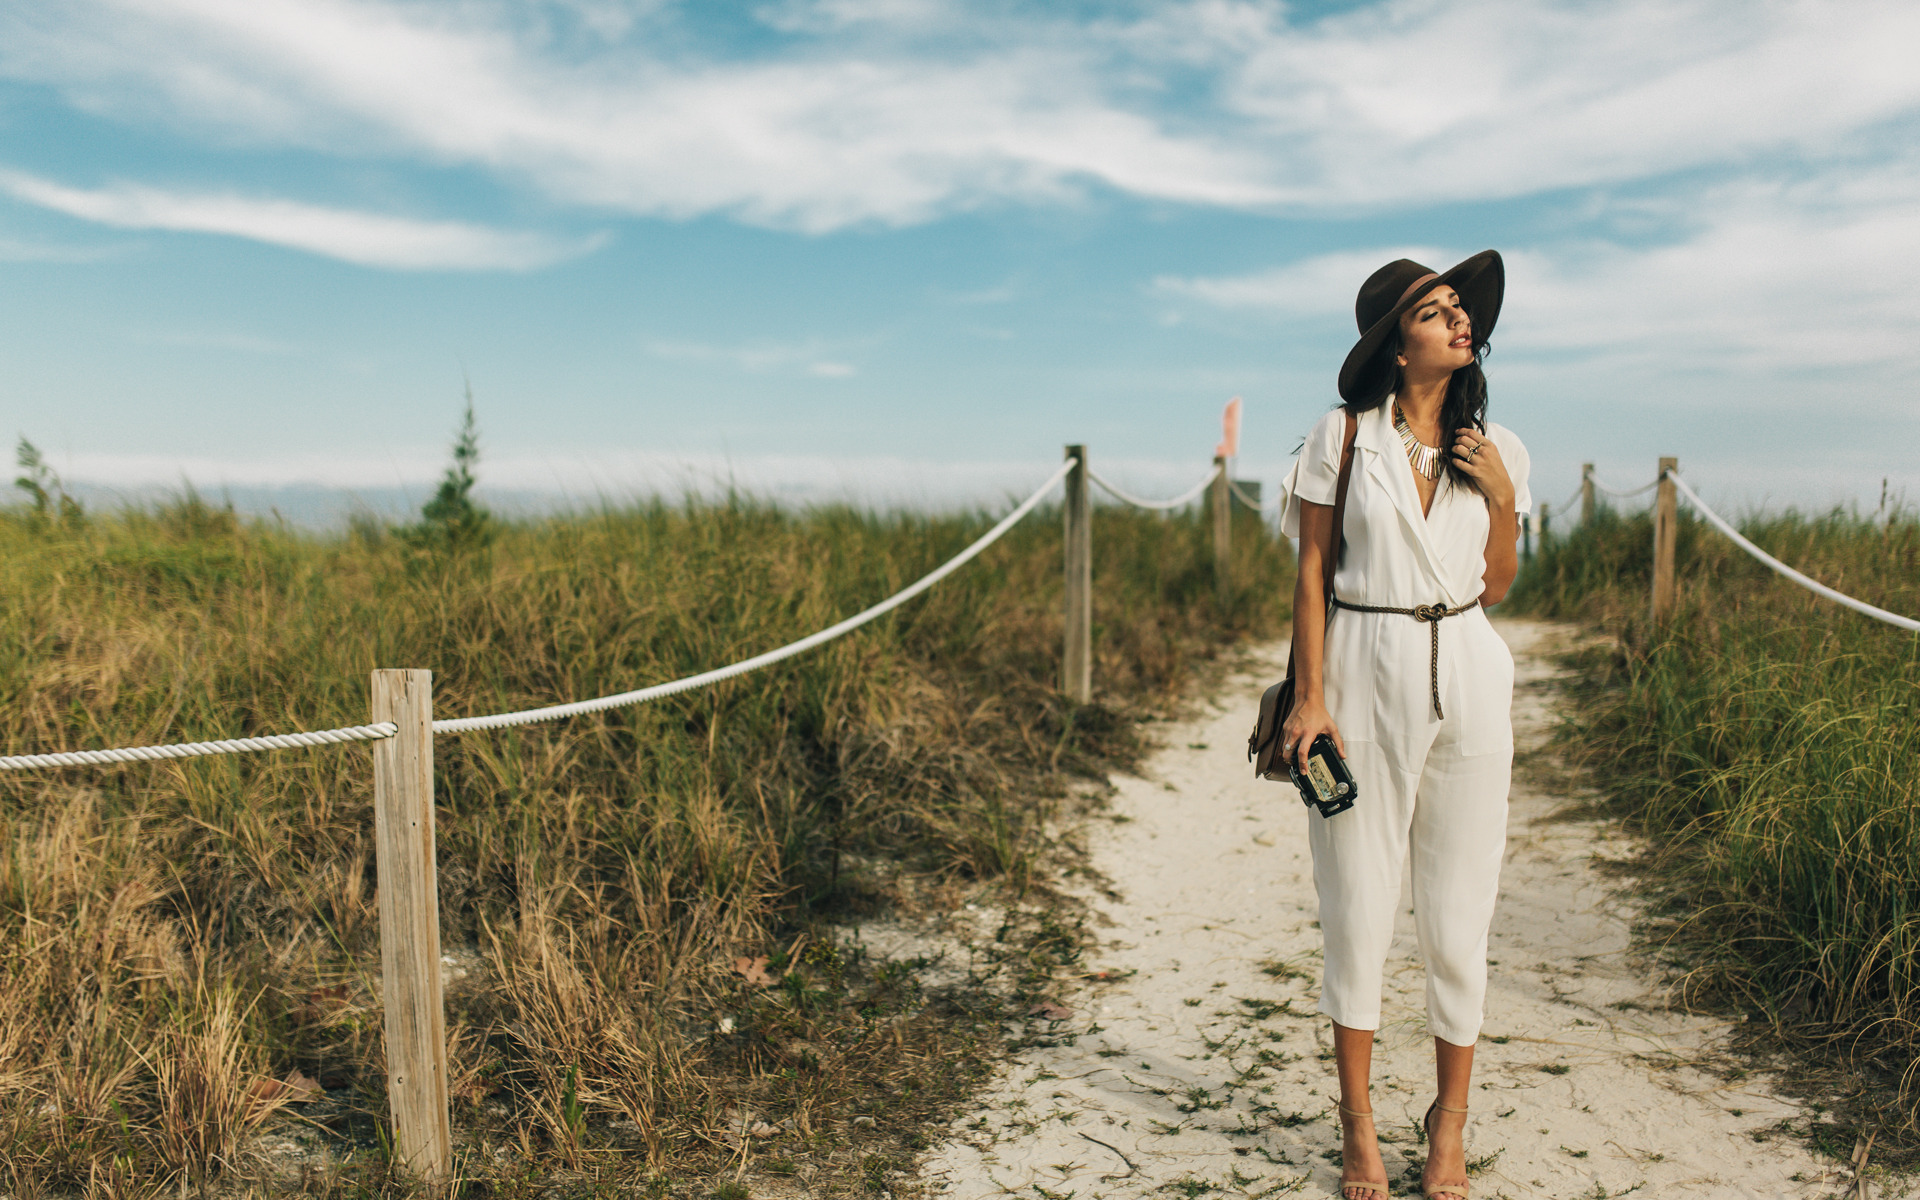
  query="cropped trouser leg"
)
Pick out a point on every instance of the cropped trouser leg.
point(1451, 815)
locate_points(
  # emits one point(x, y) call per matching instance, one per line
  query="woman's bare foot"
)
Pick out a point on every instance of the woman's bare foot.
point(1446, 1153)
point(1360, 1158)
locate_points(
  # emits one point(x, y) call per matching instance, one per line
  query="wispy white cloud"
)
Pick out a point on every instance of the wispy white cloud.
point(1401, 103)
point(1758, 274)
point(1320, 286)
point(370, 239)
point(837, 16)
point(816, 139)
point(1761, 288)
point(760, 358)
point(20, 251)
point(898, 111)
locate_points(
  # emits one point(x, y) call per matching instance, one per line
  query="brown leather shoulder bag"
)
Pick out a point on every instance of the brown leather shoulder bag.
point(1263, 746)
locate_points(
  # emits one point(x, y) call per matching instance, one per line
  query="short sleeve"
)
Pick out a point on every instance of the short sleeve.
point(1316, 473)
point(1513, 452)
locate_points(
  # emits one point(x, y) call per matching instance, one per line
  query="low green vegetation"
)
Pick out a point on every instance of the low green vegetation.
point(1766, 740)
point(647, 989)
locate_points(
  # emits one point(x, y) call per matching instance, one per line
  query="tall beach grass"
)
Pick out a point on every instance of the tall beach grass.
point(174, 937)
point(1767, 741)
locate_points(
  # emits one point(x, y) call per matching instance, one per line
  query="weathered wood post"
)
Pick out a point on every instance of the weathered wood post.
point(1666, 519)
point(1586, 494)
point(410, 925)
point(1076, 670)
point(1546, 524)
point(1220, 496)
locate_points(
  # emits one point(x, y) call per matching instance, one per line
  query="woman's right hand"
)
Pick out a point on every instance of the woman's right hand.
point(1308, 720)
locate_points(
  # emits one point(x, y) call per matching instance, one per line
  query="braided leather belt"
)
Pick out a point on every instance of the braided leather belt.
point(1430, 613)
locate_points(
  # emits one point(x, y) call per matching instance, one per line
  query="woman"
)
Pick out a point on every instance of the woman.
point(1409, 679)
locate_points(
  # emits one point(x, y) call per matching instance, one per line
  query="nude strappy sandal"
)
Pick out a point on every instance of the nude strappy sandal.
point(1378, 1189)
point(1456, 1190)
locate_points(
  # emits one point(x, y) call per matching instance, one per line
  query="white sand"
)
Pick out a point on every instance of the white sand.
point(1189, 1086)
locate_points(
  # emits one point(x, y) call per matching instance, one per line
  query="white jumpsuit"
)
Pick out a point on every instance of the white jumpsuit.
point(1435, 786)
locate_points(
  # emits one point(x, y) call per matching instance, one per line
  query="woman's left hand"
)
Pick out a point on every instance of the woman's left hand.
point(1475, 453)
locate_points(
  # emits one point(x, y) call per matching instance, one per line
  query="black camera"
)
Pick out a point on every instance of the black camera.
point(1326, 784)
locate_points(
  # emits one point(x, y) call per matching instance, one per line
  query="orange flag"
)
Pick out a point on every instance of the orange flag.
point(1229, 431)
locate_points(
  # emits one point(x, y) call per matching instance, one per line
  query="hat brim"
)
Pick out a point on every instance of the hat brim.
point(1481, 282)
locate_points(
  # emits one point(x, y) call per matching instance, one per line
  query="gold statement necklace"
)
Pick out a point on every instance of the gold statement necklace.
point(1425, 458)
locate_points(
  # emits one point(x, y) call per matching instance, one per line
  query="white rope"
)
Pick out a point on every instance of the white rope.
point(384, 729)
point(1185, 497)
point(278, 741)
point(1234, 487)
point(658, 690)
point(1720, 523)
point(1628, 495)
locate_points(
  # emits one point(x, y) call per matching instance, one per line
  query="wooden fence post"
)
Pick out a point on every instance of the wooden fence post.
point(1220, 497)
point(410, 925)
point(1586, 494)
point(1545, 524)
point(1076, 670)
point(1666, 517)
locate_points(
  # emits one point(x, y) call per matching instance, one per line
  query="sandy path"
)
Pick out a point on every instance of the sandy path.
point(1204, 1071)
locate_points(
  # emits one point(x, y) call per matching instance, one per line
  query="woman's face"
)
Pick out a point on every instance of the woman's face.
point(1436, 335)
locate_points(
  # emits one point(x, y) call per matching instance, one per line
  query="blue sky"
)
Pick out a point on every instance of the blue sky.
point(905, 249)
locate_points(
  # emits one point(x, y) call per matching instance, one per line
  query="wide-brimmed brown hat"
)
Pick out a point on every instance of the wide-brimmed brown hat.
point(1398, 286)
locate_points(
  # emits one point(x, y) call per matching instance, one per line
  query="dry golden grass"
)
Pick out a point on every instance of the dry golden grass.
point(175, 936)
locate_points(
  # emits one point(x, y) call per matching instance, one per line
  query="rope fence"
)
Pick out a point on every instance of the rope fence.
point(1184, 498)
point(1235, 487)
point(278, 741)
point(361, 733)
point(1813, 585)
point(1252, 502)
point(402, 735)
point(357, 733)
point(1671, 486)
point(791, 649)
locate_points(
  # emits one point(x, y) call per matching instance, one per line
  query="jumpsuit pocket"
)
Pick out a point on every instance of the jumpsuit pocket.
point(1484, 676)
point(1350, 677)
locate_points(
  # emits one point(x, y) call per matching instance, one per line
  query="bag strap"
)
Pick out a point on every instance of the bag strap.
point(1332, 561)
point(1340, 508)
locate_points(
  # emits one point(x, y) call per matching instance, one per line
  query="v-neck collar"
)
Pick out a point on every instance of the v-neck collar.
point(1387, 463)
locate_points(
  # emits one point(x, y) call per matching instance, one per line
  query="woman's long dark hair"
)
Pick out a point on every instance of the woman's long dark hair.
point(1465, 405)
